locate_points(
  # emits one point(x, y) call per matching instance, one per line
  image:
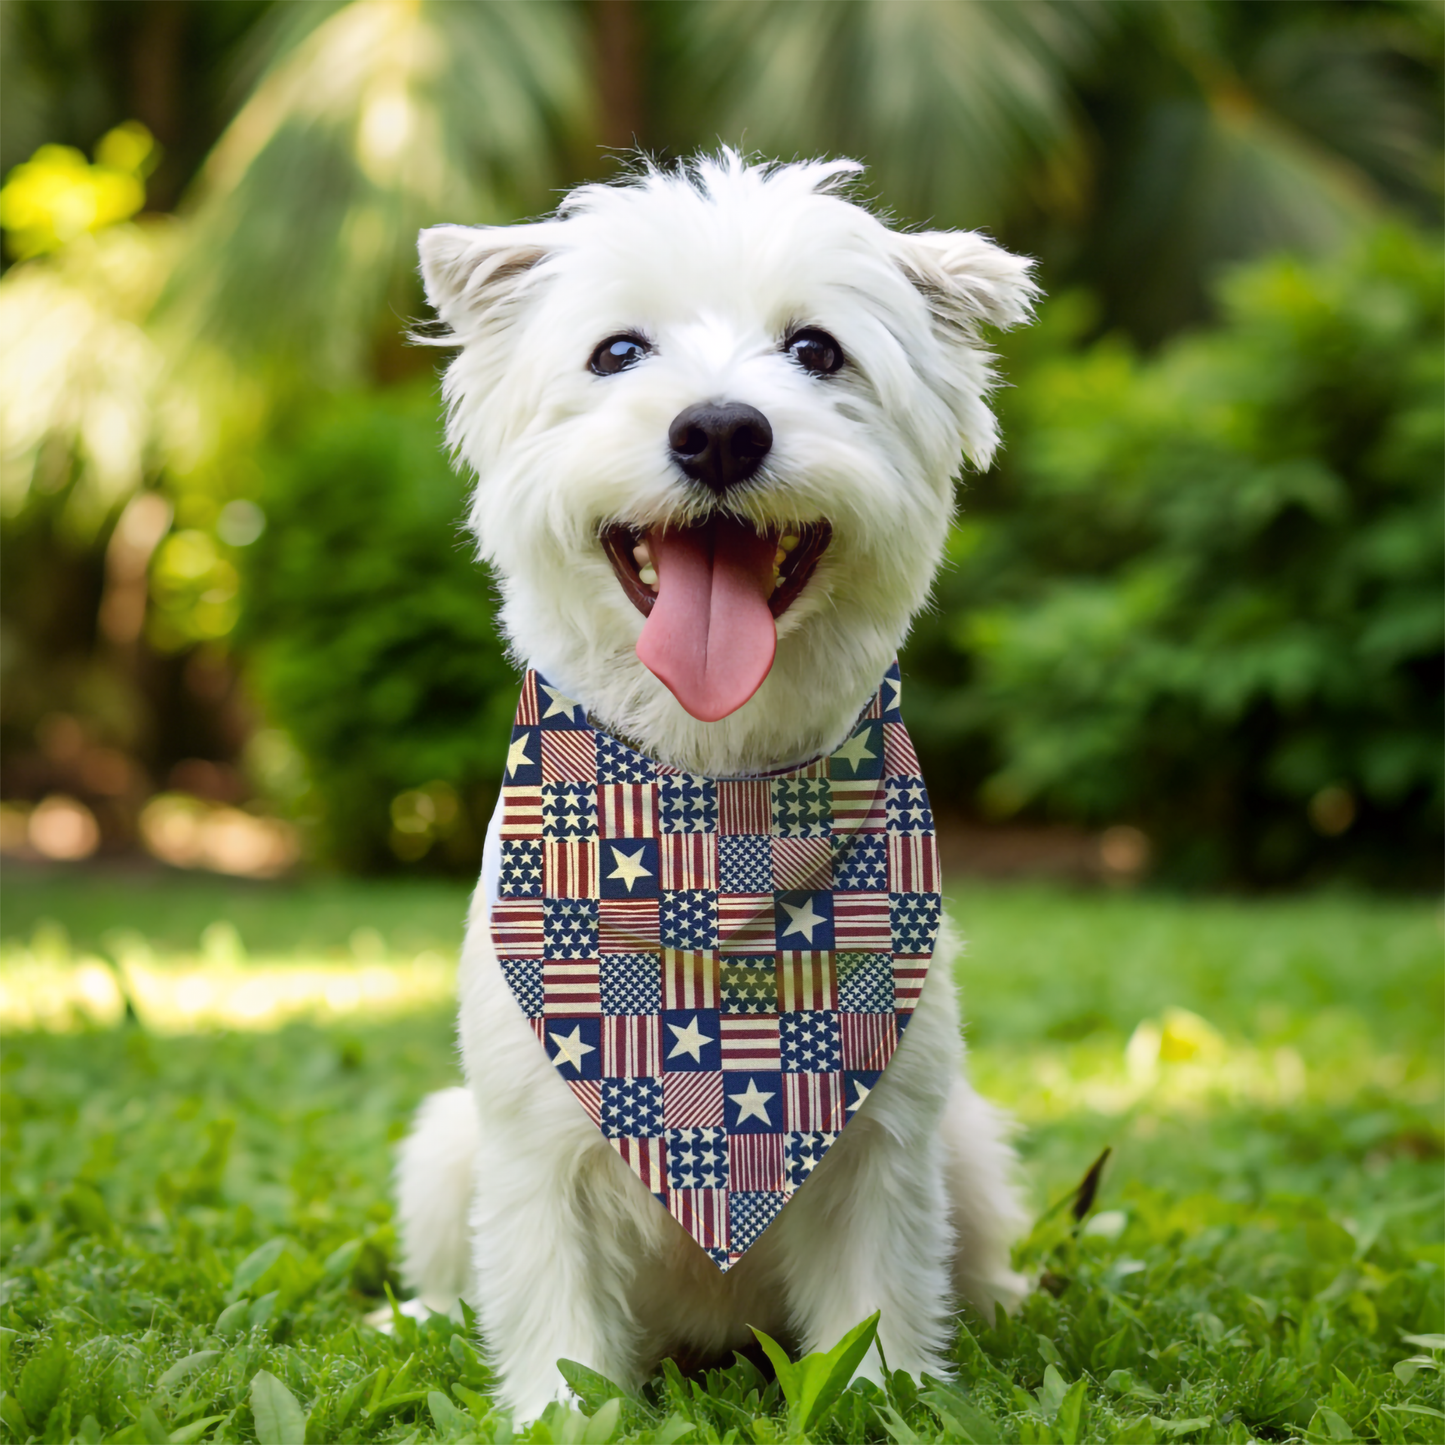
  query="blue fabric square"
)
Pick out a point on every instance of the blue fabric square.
point(860, 862)
point(810, 1042)
point(569, 810)
point(744, 863)
point(697, 1159)
point(632, 1108)
point(861, 756)
point(749, 1213)
point(691, 1041)
point(802, 1153)
point(618, 763)
point(804, 920)
point(631, 983)
point(914, 918)
point(688, 919)
point(865, 983)
point(687, 804)
point(749, 985)
point(753, 1103)
point(520, 875)
point(569, 928)
point(892, 691)
point(906, 801)
point(523, 768)
point(628, 868)
point(575, 1046)
point(802, 807)
point(524, 978)
point(558, 710)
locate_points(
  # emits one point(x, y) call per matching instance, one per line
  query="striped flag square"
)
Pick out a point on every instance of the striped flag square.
point(628, 925)
point(813, 1101)
point(527, 713)
point(861, 923)
point(746, 922)
point(868, 1040)
point(744, 806)
point(703, 1213)
point(521, 812)
point(569, 757)
point(689, 860)
point(689, 980)
point(571, 987)
point(908, 976)
point(755, 1162)
point(859, 806)
point(517, 927)
point(802, 863)
point(912, 863)
point(647, 1158)
point(899, 758)
point(750, 1043)
point(631, 1046)
point(588, 1093)
point(627, 810)
point(806, 981)
point(692, 1101)
point(569, 866)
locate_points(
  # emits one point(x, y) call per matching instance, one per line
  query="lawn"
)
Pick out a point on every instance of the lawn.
point(195, 1224)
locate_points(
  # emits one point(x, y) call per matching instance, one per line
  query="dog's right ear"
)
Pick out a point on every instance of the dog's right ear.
point(469, 270)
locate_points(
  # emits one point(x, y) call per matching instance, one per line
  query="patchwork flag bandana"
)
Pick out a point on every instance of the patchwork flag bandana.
point(719, 968)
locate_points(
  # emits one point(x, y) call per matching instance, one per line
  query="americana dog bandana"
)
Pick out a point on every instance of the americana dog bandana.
point(719, 968)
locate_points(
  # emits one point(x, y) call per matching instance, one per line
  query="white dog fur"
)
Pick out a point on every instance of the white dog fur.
point(509, 1196)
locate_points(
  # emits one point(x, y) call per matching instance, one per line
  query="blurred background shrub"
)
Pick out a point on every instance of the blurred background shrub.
point(1198, 601)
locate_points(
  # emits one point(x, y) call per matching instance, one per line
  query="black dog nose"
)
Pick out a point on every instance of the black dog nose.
point(720, 444)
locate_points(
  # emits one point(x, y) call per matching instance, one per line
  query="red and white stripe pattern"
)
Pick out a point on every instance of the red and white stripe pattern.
point(800, 863)
point(912, 863)
point(689, 980)
point(899, 758)
point(806, 981)
point(868, 1039)
point(517, 927)
point(527, 713)
point(746, 923)
point(861, 923)
point(569, 757)
point(813, 1101)
point(569, 868)
point(521, 812)
point(749, 1043)
point(628, 925)
point(755, 1161)
point(689, 860)
point(571, 988)
point(703, 1213)
point(859, 805)
point(631, 1046)
point(647, 1158)
point(588, 1093)
point(908, 977)
point(744, 806)
point(627, 810)
point(692, 1100)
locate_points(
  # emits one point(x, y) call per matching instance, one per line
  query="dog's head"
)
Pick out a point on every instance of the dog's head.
point(715, 415)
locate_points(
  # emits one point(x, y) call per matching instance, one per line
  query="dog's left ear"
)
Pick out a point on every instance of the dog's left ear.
point(966, 279)
point(469, 270)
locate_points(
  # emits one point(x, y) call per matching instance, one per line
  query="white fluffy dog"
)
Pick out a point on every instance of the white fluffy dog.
point(737, 341)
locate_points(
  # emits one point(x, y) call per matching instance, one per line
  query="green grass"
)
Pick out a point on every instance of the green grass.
point(186, 1218)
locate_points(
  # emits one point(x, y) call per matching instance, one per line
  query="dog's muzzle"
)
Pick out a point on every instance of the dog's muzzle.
point(720, 444)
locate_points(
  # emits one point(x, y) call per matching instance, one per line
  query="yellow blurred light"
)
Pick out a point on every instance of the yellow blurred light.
point(63, 829)
point(188, 832)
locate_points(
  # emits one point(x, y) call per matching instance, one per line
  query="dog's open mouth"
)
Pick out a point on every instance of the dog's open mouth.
point(711, 593)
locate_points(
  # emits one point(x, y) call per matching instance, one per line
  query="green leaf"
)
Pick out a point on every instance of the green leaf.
point(1051, 1393)
point(41, 1380)
point(233, 1319)
point(188, 1366)
point(255, 1264)
point(192, 1432)
point(1071, 1413)
point(261, 1310)
point(14, 1417)
point(673, 1429)
point(1415, 1410)
point(1426, 1342)
point(601, 1427)
point(1182, 1427)
point(449, 1420)
point(958, 1414)
point(339, 1261)
point(279, 1418)
point(813, 1383)
point(155, 1433)
point(479, 1405)
point(592, 1389)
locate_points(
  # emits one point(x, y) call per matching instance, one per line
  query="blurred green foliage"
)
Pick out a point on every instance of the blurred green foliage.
point(1203, 589)
point(369, 630)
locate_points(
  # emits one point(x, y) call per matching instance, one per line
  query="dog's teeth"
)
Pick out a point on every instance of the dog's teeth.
point(779, 557)
point(641, 555)
point(788, 543)
point(648, 577)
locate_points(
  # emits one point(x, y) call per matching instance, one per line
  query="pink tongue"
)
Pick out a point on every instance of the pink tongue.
point(710, 636)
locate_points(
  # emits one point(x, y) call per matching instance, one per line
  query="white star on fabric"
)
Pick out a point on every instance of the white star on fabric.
point(855, 750)
point(897, 693)
point(690, 1040)
point(804, 919)
point(752, 1103)
point(517, 755)
point(862, 1094)
point(571, 1047)
point(629, 866)
point(560, 703)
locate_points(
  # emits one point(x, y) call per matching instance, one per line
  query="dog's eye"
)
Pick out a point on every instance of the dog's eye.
point(617, 353)
point(815, 351)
